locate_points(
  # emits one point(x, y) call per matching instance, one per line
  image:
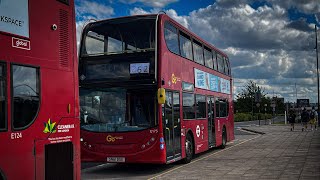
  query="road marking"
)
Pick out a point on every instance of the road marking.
point(243, 130)
point(93, 167)
point(203, 158)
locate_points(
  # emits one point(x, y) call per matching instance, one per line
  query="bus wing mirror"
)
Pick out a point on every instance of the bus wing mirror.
point(161, 96)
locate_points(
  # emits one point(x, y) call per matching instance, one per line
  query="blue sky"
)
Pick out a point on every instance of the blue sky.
point(268, 41)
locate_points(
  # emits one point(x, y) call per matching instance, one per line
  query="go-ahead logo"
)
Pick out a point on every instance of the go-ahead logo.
point(110, 138)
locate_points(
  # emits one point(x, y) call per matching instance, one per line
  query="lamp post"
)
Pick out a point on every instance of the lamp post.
point(265, 118)
point(315, 29)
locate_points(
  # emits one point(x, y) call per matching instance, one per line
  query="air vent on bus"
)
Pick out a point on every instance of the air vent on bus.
point(64, 39)
point(59, 161)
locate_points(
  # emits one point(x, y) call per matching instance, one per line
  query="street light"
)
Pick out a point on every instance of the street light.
point(315, 30)
point(265, 118)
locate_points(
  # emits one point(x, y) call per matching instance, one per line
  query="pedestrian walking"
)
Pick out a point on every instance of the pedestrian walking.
point(305, 118)
point(292, 119)
point(313, 119)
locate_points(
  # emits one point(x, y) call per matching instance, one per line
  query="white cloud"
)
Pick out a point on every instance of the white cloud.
point(172, 13)
point(305, 6)
point(151, 3)
point(87, 10)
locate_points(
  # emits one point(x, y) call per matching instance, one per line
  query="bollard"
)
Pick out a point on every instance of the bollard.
point(285, 117)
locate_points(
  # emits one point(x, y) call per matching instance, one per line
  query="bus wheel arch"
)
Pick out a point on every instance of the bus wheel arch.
point(189, 147)
point(2, 175)
point(224, 137)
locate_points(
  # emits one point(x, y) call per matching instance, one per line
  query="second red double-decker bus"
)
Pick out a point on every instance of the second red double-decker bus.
point(39, 99)
point(151, 91)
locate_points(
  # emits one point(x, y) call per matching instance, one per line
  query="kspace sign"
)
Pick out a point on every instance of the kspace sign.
point(14, 17)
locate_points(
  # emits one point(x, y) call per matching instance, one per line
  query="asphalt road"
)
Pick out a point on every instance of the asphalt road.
point(147, 171)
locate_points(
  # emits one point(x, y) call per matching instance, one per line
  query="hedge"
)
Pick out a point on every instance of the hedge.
point(238, 117)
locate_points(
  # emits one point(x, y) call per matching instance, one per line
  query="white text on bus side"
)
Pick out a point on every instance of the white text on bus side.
point(17, 135)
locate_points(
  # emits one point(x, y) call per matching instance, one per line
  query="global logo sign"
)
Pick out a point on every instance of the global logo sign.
point(20, 43)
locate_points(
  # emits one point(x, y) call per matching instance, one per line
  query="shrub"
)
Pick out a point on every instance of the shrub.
point(238, 117)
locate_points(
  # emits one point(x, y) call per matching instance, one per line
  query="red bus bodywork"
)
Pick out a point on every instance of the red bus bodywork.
point(149, 145)
point(48, 147)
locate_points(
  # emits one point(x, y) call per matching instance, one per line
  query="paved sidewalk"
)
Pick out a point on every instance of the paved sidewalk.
point(278, 154)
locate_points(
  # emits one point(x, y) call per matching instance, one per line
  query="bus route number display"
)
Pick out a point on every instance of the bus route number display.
point(139, 68)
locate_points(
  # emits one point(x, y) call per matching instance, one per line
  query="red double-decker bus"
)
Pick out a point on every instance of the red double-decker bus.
point(151, 91)
point(39, 94)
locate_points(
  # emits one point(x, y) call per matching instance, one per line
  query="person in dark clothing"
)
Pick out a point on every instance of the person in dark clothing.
point(292, 119)
point(305, 118)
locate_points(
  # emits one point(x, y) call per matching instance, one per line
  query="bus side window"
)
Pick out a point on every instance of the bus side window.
point(185, 46)
point(171, 37)
point(208, 58)
point(198, 52)
point(25, 87)
point(217, 107)
point(215, 64)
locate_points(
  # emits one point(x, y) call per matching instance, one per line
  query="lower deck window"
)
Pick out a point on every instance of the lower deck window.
point(25, 96)
point(188, 106)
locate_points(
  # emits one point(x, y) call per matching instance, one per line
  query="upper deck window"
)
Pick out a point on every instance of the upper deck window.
point(208, 58)
point(25, 97)
point(171, 36)
point(226, 66)
point(122, 35)
point(185, 46)
point(215, 64)
point(198, 52)
point(220, 63)
point(3, 113)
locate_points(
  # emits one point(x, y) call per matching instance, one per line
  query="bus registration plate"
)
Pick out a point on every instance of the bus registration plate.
point(116, 159)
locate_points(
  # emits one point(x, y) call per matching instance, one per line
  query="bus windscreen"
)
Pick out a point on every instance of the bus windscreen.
point(117, 109)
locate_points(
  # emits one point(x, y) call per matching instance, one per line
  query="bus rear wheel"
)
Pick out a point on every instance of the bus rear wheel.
point(189, 149)
point(224, 138)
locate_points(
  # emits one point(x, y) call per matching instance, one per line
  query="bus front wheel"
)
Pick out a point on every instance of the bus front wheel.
point(189, 149)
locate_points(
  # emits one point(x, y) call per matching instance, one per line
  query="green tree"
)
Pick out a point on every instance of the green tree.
point(249, 96)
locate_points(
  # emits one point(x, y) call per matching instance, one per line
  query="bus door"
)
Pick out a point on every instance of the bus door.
point(172, 127)
point(211, 122)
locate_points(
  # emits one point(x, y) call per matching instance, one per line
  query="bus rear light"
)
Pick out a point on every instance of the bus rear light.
point(152, 139)
point(81, 139)
point(143, 146)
